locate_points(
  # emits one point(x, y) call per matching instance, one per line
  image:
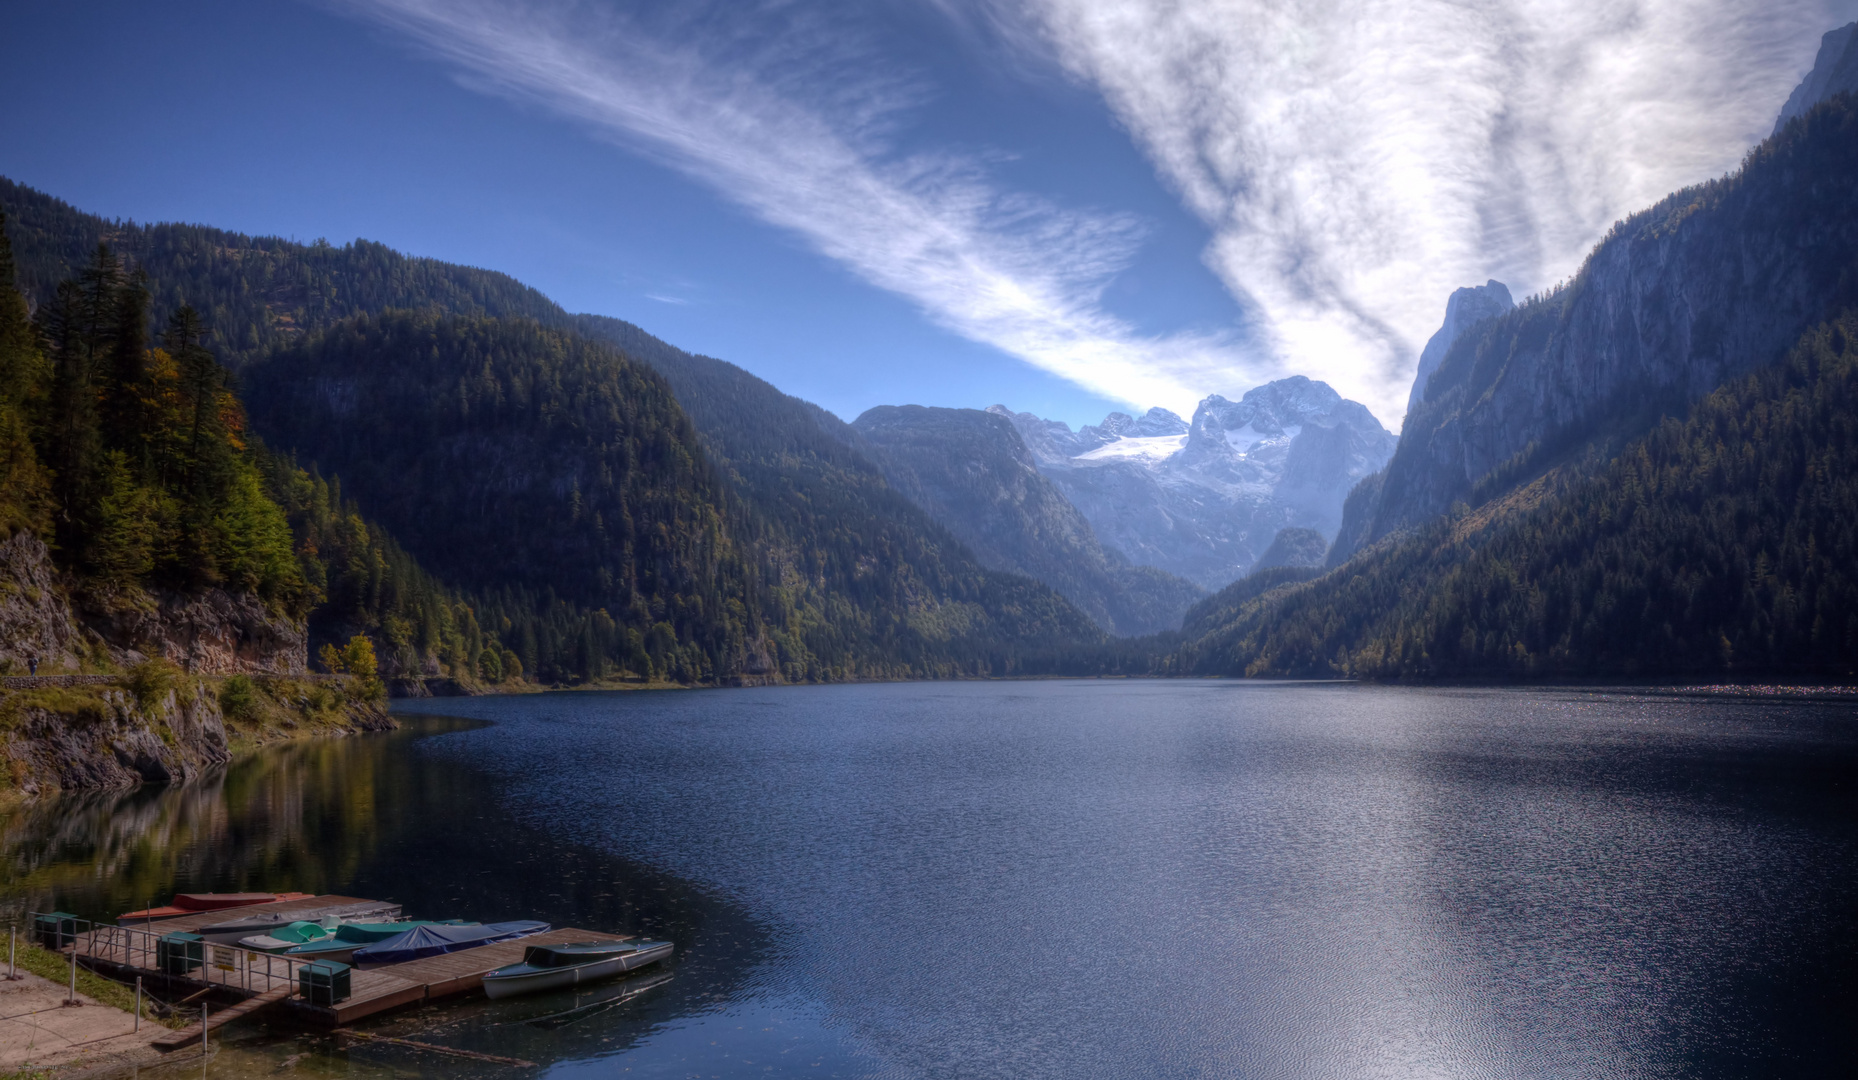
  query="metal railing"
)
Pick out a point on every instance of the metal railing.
point(231, 966)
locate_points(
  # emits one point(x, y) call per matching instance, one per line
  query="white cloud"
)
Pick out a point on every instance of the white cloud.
point(1359, 159)
point(791, 125)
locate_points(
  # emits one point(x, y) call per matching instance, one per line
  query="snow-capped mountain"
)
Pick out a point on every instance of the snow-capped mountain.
point(1204, 499)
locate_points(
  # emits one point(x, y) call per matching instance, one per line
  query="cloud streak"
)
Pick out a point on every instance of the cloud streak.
point(790, 124)
point(1358, 160)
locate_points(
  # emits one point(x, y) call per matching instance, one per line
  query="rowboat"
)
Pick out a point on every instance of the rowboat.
point(195, 903)
point(436, 940)
point(554, 967)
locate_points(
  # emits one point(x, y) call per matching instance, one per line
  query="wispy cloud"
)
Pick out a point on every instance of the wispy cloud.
point(662, 299)
point(1358, 160)
point(791, 123)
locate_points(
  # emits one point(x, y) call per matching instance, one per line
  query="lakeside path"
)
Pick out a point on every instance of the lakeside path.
point(38, 1030)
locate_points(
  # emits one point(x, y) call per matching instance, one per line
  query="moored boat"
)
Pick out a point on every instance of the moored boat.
point(555, 967)
point(196, 903)
point(341, 946)
point(229, 932)
point(289, 936)
point(437, 939)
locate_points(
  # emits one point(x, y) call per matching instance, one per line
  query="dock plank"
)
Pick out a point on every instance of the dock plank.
point(192, 1033)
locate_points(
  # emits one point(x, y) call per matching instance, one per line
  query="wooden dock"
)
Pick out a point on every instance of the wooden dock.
point(191, 1034)
point(261, 980)
point(314, 908)
point(377, 990)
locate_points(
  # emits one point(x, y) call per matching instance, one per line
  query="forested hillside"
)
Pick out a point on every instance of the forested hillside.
point(254, 292)
point(133, 458)
point(1711, 283)
point(867, 564)
point(1724, 543)
point(773, 550)
point(530, 467)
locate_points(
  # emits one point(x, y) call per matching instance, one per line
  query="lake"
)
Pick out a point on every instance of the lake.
point(1064, 879)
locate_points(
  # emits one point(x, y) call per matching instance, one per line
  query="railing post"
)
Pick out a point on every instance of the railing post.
point(138, 1003)
point(71, 997)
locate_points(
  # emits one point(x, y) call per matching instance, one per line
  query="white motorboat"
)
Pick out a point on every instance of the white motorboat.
point(555, 967)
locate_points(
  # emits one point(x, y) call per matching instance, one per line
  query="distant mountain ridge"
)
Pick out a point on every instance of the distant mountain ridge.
point(1203, 499)
point(972, 472)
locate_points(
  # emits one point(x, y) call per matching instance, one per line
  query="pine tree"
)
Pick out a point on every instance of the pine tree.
point(23, 488)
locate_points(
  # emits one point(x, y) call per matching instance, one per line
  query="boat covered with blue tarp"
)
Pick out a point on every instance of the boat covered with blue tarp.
point(438, 939)
point(350, 937)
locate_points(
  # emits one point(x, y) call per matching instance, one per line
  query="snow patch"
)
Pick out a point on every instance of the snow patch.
point(1153, 449)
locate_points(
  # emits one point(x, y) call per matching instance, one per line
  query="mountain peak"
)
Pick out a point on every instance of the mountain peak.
point(1202, 499)
point(1466, 308)
point(1835, 71)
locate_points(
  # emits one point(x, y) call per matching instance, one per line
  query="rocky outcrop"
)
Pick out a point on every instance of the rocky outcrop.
point(1466, 308)
point(36, 628)
point(212, 632)
point(107, 738)
point(1713, 282)
point(1204, 499)
point(156, 720)
point(1835, 71)
point(974, 474)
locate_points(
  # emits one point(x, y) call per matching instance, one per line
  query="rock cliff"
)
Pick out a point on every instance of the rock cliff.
point(1835, 71)
point(1466, 308)
point(160, 718)
point(1712, 282)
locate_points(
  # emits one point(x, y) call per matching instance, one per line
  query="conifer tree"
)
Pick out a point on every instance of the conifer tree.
point(23, 489)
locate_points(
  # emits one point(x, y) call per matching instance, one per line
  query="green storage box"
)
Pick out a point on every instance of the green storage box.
point(323, 982)
point(55, 929)
point(179, 954)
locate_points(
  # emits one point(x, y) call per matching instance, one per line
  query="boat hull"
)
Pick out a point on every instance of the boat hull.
point(537, 980)
point(197, 903)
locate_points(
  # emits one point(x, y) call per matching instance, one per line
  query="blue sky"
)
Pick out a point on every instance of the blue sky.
point(1065, 205)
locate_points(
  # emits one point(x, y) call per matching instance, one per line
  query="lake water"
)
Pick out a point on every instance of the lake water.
point(1066, 879)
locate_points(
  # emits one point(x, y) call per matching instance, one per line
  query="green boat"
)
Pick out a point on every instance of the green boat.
point(280, 939)
point(341, 945)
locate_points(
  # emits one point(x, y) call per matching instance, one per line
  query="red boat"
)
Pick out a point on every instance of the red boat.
point(195, 903)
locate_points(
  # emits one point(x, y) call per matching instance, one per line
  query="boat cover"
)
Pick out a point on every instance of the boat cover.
point(434, 940)
point(299, 932)
point(579, 952)
point(193, 903)
point(355, 935)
